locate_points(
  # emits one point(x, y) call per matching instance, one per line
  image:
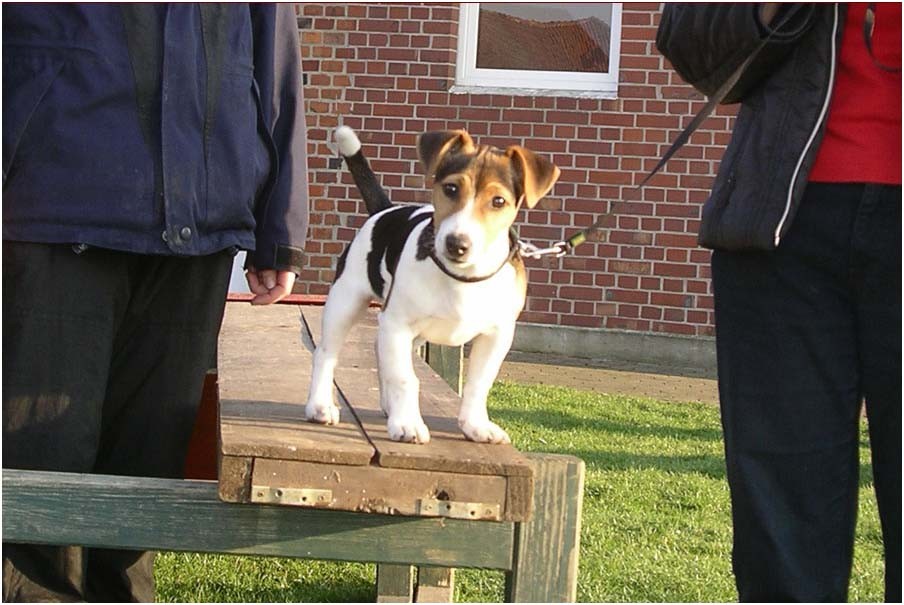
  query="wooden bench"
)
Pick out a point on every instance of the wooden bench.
point(294, 489)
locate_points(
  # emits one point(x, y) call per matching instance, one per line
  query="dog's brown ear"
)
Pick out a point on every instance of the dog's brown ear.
point(432, 146)
point(539, 173)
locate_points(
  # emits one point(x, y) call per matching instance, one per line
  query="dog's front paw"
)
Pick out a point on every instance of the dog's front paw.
point(322, 413)
point(411, 430)
point(484, 432)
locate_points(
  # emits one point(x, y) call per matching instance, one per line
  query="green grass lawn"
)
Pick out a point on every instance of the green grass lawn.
point(656, 517)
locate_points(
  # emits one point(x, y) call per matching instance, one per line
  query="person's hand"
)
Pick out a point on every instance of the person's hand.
point(269, 285)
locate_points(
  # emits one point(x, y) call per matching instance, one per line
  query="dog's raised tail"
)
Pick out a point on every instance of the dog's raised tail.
point(375, 197)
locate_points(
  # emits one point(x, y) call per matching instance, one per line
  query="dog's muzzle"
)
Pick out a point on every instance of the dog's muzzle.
point(457, 247)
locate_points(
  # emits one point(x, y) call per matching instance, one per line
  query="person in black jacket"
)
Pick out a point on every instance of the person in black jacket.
point(143, 145)
point(805, 220)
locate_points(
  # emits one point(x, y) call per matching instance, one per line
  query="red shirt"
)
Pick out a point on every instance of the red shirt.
point(862, 143)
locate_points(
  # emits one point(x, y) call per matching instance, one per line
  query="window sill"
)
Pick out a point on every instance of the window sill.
point(459, 89)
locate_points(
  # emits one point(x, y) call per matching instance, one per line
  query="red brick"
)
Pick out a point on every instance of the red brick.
point(567, 117)
point(374, 81)
point(674, 270)
point(697, 317)
point(522, 115)
point(580, 293)
point(580, 321)
point(627, 296)
point(377, 25)
point(630, 267)
point(477, 113)
point(538, 304)
point(674, 328)
point(642, 149)
point(651, 313)
point(670, 300)
point(399, 12)
point(618, 323)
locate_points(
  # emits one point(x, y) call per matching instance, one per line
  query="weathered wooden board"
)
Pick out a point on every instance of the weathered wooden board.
point(434, 585)
point(395, 583)
point(448, 362)
point(383, 490)
point(234, 478)
point(448, 450)
point(264, 375)
point(548, 546)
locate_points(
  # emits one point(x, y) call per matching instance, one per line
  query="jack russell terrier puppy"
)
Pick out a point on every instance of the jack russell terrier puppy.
point(447, 273)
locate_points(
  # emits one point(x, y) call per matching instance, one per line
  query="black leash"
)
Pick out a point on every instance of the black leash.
point(564, 247)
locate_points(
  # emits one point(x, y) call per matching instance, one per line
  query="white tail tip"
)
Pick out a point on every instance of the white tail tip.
point(348, 141)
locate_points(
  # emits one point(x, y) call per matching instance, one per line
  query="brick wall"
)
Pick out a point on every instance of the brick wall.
point(386, 70)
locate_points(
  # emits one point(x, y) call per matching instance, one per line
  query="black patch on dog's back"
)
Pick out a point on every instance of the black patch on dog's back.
point(340, 265)
point(388, 238)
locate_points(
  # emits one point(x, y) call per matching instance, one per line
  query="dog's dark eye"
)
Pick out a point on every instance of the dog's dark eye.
point(498, 201)
point(450, 189)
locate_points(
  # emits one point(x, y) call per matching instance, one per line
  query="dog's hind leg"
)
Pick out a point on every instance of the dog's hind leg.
point(487, 354)
point(344, 307)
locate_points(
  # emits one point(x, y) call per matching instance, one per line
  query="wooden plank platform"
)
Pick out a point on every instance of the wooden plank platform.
point(260, 351)
point(269, 453)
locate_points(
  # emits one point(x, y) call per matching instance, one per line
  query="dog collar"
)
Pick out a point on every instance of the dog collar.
point(514, 251)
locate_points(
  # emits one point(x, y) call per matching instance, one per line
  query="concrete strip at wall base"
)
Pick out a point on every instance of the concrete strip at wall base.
point(660, 353)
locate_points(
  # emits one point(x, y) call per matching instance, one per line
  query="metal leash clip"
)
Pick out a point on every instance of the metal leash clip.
point(560, 249)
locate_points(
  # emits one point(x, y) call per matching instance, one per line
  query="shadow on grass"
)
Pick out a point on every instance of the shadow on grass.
point(342, 590)
point(705, 464)
point(326, 585)
point(561, 421)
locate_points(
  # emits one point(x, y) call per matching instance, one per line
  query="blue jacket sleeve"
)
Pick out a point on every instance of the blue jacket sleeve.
point(707, 42)
point(282, 211)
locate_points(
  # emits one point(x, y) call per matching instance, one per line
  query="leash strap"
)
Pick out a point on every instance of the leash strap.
point(562, 248)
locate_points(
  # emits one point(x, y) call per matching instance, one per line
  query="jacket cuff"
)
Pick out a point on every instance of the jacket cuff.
point(281, 258)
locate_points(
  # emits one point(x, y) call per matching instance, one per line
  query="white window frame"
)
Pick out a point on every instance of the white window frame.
point(469, 78)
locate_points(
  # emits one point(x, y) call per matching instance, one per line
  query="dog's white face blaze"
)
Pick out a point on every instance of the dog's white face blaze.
point(476, 204)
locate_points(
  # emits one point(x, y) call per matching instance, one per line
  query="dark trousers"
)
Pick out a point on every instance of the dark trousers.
point(104, 357)
point(805, 334)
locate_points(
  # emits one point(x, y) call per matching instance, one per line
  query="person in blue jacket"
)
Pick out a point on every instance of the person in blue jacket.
point(143, 145)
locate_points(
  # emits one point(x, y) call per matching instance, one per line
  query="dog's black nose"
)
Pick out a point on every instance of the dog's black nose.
point(457, 245)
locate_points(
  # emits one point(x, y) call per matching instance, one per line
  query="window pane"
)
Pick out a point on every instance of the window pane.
point(544, 37)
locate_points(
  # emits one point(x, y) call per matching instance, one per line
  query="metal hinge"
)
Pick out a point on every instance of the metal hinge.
point(431, 507)
point(291, 496)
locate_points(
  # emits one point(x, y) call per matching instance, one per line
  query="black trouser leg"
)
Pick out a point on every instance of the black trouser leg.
point(877, 275)
point(160, 357)
point(104, 356)
point(59, 317)
point(790, 347)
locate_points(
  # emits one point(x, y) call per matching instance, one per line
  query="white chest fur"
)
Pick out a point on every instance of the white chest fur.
point(445, 311)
